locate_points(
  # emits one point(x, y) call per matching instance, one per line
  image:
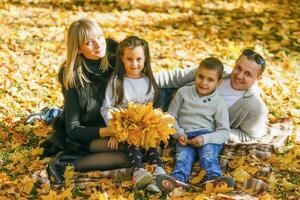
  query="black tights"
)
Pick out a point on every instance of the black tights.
point(103, 158)
point(135, 156)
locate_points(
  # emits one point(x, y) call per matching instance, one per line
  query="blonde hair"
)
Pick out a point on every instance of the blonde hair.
point(79, 32)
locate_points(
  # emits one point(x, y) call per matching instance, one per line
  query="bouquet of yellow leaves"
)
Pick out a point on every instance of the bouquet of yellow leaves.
point(141, 125)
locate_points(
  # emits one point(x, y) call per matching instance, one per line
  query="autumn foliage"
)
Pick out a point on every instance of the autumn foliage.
point(141, 125)
point(180, 34)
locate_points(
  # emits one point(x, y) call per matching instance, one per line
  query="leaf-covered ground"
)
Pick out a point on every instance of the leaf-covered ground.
point(180, 33)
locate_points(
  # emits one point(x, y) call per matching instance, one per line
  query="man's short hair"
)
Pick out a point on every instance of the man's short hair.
point(252, 55)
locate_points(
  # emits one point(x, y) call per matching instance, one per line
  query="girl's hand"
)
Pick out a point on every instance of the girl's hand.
point(183, 140)
point(113, 143)
point(105, 132)
point(196, 141)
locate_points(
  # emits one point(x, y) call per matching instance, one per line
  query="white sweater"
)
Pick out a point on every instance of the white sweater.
point(135, 90)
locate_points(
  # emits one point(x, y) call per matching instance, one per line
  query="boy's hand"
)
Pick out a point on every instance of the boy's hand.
point(196, 141)
point(113, 143)
point(183, 140)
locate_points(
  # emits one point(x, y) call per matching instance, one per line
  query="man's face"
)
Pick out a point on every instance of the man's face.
point(244, 74)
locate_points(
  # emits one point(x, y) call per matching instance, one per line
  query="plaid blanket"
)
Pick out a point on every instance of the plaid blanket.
point(259, 150)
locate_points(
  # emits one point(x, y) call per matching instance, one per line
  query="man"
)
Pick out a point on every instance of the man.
point(248, 114)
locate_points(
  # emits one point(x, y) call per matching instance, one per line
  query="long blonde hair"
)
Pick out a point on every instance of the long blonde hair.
point(79, 32)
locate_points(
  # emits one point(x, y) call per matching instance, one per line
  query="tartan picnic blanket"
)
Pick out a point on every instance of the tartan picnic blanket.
point(259, 150)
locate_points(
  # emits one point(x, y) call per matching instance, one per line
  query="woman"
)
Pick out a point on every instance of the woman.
point(84, 77)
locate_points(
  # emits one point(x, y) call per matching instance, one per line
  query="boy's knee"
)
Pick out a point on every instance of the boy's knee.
point(211, 150)
point(181, 156)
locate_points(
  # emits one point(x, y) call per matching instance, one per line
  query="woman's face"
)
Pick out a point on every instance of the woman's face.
point(95, 47)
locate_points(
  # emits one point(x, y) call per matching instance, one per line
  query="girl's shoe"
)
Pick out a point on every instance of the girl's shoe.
point(152, 187)
point(141, 178)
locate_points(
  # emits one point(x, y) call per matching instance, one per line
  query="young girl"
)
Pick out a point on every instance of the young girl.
point(133, 81)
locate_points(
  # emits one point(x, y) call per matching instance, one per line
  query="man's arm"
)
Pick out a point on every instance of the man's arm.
point(174, 109)
point(253, 126)
point(175, 78)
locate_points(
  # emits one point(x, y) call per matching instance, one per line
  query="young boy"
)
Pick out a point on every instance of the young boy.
point(202, 125)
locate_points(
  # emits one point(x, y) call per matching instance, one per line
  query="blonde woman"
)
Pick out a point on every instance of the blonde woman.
point(84, 77)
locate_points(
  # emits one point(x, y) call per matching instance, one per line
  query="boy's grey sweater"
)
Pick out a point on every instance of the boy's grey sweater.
point(193, 112)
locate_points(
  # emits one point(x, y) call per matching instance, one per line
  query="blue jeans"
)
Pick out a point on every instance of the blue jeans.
point(186, 155)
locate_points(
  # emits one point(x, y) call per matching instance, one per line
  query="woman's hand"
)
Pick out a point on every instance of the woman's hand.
point(196, 141)
point(113, 143)
point(183, 140)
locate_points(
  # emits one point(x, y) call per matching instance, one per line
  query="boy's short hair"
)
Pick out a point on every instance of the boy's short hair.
point(213, 63)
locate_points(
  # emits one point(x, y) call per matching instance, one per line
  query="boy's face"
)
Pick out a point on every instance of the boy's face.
point(206, 81)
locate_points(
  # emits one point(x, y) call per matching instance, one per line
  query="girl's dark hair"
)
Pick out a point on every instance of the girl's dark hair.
point(119, 72)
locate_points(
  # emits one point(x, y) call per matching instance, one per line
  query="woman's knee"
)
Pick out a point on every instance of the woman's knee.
point(99, 145)
point(103, 161)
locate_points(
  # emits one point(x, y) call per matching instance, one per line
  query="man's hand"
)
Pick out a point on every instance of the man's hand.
point(196, 141)
point(113, 143)
point(183, 140)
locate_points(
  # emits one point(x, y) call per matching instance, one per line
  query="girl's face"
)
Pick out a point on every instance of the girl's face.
point(134, 61)
point(95, 47)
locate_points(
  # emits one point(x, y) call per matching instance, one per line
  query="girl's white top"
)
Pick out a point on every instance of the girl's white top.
point(135, 90)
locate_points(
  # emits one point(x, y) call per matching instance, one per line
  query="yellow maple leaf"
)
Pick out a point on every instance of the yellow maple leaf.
point(51, 196)
point(127, 184)
point(37, 151)
point(240, 175)
point(199, 197)
point(69, 175)
point(198, 178)
point(222, 188)
point(237, 162)
point(266, 197)
point(251, 169)
point(209, 188)
point(141, 125)
point(272, 181)
point(27, 184)
point(3, 178)
point(288, 185)
point(66, 193)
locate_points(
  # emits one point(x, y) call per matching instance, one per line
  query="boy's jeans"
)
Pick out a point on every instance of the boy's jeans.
point(186, 155)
